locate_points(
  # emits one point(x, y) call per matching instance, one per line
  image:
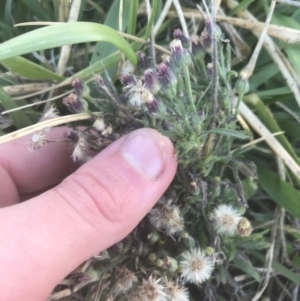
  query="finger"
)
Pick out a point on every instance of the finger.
point(25, 171)
point(89, 211)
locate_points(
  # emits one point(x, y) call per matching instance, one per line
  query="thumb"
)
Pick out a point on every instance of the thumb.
point(48, 236)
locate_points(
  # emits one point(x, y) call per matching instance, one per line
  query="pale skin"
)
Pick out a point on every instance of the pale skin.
point(56, 214)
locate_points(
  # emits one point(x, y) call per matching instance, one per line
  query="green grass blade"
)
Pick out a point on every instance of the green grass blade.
point(35, 7)
point(64, 34)
point(151, 19)
point(247, 268)
point(19, 118)
point(268, 119)
point(131, 27)
point(102, 50)
point(241, 6)
point(28, 69)
point(284, 194)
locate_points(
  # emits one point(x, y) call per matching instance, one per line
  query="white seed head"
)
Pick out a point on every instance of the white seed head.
point(38, 141)
point(176, 45)
point(139, 95)
point(107, 131)
point(166, 216)
point(80, 149)
point(124, 281)
point(127, 68)
point(99, 123)
point(197, 267)
point(225, 219)
point(51, 113)
point(176, 292)
point(152, 290)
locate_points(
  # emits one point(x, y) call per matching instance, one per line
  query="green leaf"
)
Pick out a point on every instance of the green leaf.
point(240, 6)
point(131, 28)
point(280, 269)
point(269, 121)
point(28, 69)
point(35, 6)
point(102, 49)
point(281, 192)
point(64, 34)
point(229, 132)
point(247, 268)
point(19, 118)
point(151, 19)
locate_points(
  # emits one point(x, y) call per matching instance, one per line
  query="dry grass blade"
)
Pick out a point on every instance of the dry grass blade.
point(260, 128)
point(44, 124)
point(274, 53)
point(288, 35)
point(162, 16)
point(248, 70)
point(37, 103)
point(25, 88)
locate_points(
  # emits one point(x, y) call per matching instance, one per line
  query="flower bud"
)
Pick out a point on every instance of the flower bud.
point(143, 62)
point(206, 40)
point(150, 81)
point(197, 49)
point(242, 84)
point(171, 264)
point(77, 84)
point(179, 57)
point(165, 76)
point(178, 34)
point(195, 189)
point(75, 103)
point(126, 79)
point(244, 227)
point(159, 263)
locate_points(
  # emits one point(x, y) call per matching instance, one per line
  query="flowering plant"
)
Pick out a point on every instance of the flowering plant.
point(179, 248)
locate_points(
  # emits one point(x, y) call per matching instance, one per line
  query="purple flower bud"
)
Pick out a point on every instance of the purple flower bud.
point(178, 34)
point(197, 48)
point(72, 135)
point(165, 76)
point(143, 62)
point(206, 40)
point(75, 103)
point(151, 103)
point(126, 79)
point(150, 81)
point(180, 56)
point(77, 84)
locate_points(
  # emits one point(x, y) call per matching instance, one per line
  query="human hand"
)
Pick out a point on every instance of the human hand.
point(49, 235)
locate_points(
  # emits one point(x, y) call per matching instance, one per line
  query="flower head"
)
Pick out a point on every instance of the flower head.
point(225, 219)
point(143, 62)
point(75, 103)
point(179, 56)
point(176, 292)
point(165, 76)
point(197, 267)
point(166, 216)
point(150, 81)
point(124, 281)
point(99, 123)
point(152, 290)
point(178, 34)
point(38, 141)
point(77, 84)
point(80, 149)
point(244, 227)
point(51, 113)
point(197, 48)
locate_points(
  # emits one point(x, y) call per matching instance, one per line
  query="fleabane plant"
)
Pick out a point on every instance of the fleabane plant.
point(175, 252)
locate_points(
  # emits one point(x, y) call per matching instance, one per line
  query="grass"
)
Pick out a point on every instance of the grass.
point(265, 264)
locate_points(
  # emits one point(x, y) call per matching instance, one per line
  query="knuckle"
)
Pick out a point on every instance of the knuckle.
point(102, 193)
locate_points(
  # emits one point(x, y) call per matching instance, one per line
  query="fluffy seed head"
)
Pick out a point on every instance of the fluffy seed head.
point(225, 219)
point(176, 292)
point(166, 216)
point(108, 131)
point(152, 290)
point(196, 266)
point(80, 149)
point(124, 281)
point(51, 113)
point(38, 141)
point(127, 68)
point(99, 123)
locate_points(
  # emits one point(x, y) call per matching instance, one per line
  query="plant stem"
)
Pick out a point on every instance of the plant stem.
point(189, 87)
